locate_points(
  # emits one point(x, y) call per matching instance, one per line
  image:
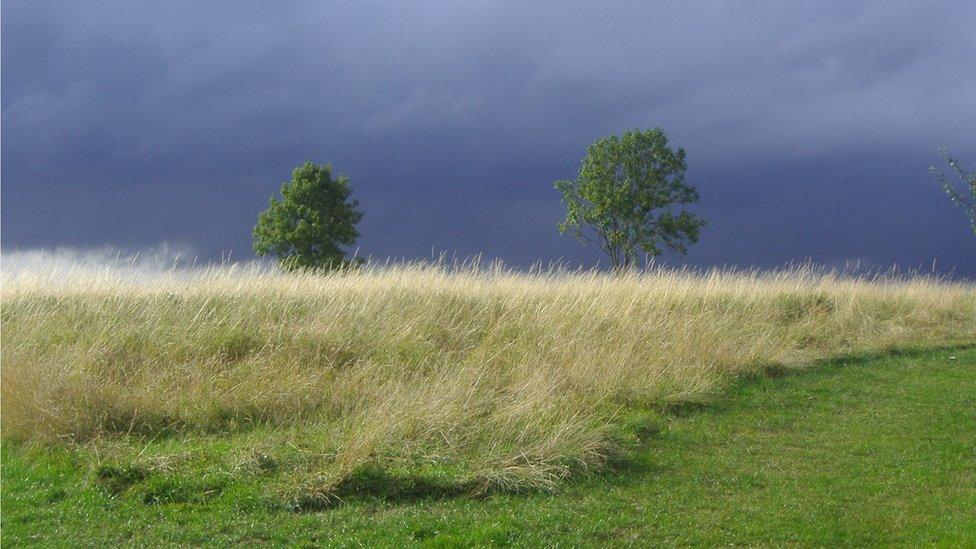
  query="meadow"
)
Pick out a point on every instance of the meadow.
point(404, 382)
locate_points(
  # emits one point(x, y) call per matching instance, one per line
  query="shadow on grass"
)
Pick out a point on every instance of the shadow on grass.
point(150, 426)
point(639, 434)
point(635, 460)
point(621, 468)
point(719, 401)
point(376, 484)
point(845, 361)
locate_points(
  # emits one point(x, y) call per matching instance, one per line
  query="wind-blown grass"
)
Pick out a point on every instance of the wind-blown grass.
point(465, 379)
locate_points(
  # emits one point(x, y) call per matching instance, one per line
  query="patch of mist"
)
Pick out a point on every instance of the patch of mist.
point(159, 258)
point(66, 264)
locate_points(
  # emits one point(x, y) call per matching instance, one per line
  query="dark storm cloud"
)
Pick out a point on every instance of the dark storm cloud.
point(809, 128)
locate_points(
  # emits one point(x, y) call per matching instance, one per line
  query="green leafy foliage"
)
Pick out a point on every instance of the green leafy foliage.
point(957, 198)
point(622, 198)
point(315, 217)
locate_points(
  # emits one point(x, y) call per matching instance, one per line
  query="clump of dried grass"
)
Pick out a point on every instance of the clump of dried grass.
point(517, 377)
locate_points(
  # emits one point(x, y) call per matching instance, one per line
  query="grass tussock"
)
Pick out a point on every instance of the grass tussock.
point(472, 380)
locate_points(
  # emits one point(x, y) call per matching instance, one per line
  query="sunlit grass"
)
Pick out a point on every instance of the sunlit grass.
point(476, 379)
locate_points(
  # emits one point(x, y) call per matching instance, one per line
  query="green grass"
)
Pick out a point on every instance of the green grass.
point(856, 451)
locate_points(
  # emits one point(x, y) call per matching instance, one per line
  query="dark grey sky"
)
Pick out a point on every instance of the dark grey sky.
point(809, 126)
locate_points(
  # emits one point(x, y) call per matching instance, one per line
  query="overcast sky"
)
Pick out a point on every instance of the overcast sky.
point(809, 126)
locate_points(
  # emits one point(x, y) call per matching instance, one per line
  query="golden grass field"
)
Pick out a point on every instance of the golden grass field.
point(487, 377)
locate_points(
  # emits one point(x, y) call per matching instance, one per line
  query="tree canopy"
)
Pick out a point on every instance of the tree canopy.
point(623, 196)
point(312, 221)
point(968, 180)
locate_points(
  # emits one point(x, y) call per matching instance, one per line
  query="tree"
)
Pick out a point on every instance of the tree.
point(968, 179)
point(622, 198)
point(314, 217)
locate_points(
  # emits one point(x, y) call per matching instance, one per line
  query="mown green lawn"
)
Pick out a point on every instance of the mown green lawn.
point(853, 452)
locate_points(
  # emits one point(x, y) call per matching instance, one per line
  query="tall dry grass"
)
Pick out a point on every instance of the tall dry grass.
point(512, 379)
